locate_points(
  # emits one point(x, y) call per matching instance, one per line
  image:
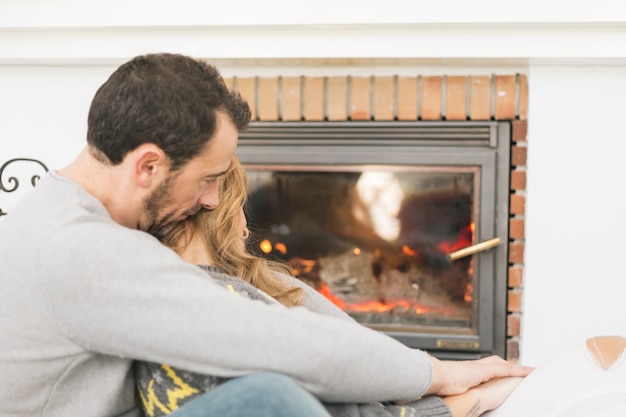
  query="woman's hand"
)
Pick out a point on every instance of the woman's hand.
point(485, 397)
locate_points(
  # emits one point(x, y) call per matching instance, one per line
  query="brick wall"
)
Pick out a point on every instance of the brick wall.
point(387, 98)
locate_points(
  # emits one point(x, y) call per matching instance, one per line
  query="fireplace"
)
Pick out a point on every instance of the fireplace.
point(401, 224)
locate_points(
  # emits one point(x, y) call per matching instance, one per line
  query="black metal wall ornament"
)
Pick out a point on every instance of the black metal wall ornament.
point(11, 183)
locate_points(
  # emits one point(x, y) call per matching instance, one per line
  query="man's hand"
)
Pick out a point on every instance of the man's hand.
point(456, 377)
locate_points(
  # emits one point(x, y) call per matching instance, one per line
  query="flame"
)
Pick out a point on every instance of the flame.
point(265, 246)
point(305, 266)
point(402, 304)
point(280, 247)
point(326, 292)
point(381, 306)
point(302, 266)
point(408, 251)
point(469, 291)
point(466, 237)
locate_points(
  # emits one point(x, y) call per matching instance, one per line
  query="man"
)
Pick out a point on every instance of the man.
point(84, 290)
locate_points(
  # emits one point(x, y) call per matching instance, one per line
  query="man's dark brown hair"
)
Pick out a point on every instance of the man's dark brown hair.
point(166, 99)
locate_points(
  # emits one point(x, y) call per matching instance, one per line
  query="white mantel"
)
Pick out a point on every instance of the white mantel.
point(108, 31)
point(55, 54)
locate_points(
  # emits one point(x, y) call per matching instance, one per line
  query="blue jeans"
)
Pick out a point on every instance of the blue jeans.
point(263, 394)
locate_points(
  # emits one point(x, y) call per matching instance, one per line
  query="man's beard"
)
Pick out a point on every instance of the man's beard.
point(161, 227)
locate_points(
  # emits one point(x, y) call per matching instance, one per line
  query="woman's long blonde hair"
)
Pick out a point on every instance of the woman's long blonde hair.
point(221, 233)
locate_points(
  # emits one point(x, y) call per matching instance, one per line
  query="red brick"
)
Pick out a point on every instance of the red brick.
point(516, 229)
point(505, 97)
point(514, 304)
point(516, 276)
point(407, 98)
point(247, 88)
point(431, 98)
point(456, 98)
point(523, 97)
point(513, 325)
point(337, 98)
point(291, 99)
point(512, 351)
point(268, 99)
point(519, 130)
point(518, 180)
point(360, 98)
point(516, 252)
point(518, 204)
point(480, 98)
point(383, 98)
point(313, 99)
point(518, 155)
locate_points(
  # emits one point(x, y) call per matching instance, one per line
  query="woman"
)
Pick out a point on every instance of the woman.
point(215, 240)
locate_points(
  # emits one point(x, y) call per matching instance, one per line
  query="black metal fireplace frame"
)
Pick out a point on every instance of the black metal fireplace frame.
point(482, 144)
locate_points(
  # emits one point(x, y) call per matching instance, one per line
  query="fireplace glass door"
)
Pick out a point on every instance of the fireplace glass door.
point(392, 235)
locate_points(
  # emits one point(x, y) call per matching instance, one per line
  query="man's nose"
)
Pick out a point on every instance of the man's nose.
point(209, 199)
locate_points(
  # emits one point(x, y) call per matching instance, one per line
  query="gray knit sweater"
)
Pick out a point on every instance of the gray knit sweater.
point(82, 297)
point(156, 381)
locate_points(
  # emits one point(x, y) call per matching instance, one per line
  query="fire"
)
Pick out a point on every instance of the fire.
point(302, 267)
point(408, 251)
point(265, 246)
point(466, 237)
point(469, 291)
point(401, 304)
point(280, 247)
point(380, 306)
point(326, 292)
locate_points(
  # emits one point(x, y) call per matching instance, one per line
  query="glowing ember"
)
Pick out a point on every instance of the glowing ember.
point(382, 307)
point(302, 266)
point(469, 291)
point(408, 251)
point(265, 246)
point(326, 292)
point(309, 269)
point(466, 237)
point(280, 247)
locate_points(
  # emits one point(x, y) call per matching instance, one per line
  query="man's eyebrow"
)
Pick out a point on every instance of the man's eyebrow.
point(219, 174)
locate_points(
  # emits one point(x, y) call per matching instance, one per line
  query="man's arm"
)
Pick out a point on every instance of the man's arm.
point(127, 295)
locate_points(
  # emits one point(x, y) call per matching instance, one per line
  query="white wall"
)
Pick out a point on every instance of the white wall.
point(54, 55)
point(64, 13)
point(46, 106)
point(43, 115)
point(575, 277)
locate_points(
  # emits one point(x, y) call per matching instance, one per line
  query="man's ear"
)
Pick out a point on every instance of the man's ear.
point(150, 164)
